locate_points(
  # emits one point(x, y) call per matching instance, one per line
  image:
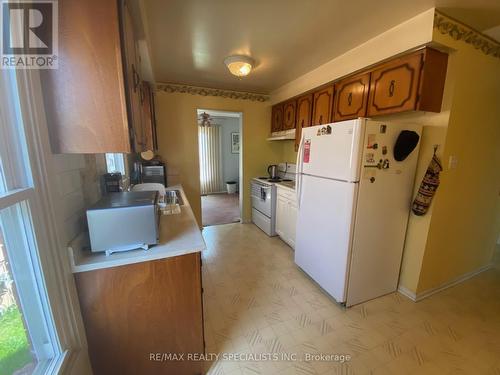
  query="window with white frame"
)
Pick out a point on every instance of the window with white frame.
point(28, 338)
point(115, 163)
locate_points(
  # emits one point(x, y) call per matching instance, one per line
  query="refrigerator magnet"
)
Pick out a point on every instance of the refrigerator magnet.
point(372, 139)
point(307, 150)
point(370, 157)
point(369, 173)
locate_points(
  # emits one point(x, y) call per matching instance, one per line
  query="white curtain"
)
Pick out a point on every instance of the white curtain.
point(210, 159)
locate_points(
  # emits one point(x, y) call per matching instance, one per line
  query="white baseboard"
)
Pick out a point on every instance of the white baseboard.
point(407, 293)
point(420, 296)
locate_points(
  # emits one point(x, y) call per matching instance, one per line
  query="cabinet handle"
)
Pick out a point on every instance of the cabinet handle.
point(142, 95)
point(391, 88)
point(135, 78)
point(302, 124)
point(320, 119)
point(349, 99)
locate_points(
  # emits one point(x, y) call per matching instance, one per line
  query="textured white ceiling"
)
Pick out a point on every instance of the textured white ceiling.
point(189, 39)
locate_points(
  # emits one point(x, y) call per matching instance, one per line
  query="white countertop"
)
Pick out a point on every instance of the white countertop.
point(285, 185)
point(179, 235)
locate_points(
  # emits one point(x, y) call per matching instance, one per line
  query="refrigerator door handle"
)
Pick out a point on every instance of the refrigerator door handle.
point(299, 172)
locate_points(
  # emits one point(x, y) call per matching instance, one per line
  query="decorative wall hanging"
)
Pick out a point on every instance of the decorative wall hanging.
point(460, 31)
point(428, 186)
point(235, 143)
point(205, 91)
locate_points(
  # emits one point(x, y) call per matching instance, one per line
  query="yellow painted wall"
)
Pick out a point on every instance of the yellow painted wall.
point(465, 219)
point(178, 141)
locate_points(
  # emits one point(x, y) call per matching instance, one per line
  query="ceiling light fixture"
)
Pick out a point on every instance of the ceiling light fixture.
point(239, 65)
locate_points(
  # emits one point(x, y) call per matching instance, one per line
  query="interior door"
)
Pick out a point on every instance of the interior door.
point(324, 232)
point(333, 150)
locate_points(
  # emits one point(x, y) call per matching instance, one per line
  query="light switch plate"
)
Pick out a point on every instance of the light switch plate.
point(452, 162)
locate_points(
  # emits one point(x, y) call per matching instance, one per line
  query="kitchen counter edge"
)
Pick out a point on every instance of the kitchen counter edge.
point(179, 235)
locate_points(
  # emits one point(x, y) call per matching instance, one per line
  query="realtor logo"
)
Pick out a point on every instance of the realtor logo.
point(29, 34)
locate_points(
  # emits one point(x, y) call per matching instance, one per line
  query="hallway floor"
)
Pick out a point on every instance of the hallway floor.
point(257, 301)
point(220, 209)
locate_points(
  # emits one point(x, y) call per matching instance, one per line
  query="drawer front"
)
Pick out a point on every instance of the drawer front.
point(287, 194)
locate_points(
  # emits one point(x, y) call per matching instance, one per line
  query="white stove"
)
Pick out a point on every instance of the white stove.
point(264, 197)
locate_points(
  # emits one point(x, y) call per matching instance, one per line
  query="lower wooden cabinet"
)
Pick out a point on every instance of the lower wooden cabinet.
point(286, 216)
point(134, 311)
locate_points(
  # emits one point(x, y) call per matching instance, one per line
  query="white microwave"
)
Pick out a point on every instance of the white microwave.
point(124, 221)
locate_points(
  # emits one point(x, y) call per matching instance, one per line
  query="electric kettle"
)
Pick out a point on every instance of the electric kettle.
point(273, 171)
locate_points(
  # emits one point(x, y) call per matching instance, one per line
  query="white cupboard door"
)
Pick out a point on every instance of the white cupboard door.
point(292, 215)
point(281, 214)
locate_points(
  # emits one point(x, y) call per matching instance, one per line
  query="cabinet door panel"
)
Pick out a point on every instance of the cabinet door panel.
point(292, 215)
point(394, 86)
point(289, 115)
point(86, 109)
point(304, 113)
point(134, 87)
point(147, 117)
point(277, 118)
point(351, 96)
point(281, 217)
point(133, 310)
point(322, 106)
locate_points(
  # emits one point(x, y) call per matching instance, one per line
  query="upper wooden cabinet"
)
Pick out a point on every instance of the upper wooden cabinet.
point(277, 118)
point(85, 97)
point(289, 110)
point(135, 94)
point(413, 82)
point(408, 83)
point(304, 113)
point(322, 106)
point(351, 97)
point(93, 100)
point(148, 117)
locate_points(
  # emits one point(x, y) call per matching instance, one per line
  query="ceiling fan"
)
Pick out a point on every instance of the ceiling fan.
point(204, 119)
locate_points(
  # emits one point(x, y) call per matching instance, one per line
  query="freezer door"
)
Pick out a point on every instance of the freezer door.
point(333, 150)
point(381, 216)
point(323, 232)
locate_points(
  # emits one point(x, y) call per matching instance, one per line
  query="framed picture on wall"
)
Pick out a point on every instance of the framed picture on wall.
point(235, 143)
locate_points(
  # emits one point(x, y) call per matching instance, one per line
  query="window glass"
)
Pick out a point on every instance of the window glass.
point(115, 163)
point(28, 340)
point(15, 170)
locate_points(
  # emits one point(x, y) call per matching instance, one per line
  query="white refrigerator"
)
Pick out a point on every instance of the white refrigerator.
point(353, 201)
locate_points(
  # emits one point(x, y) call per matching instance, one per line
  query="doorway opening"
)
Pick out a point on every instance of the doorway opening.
point(221, 166)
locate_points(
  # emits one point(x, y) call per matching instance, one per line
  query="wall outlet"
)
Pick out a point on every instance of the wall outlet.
point(452, 162)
